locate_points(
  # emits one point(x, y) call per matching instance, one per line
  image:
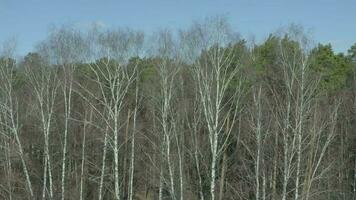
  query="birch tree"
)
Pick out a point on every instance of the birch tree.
point(132, 159)
point(113, 80)
point(213, 73)
point(167, 70)
point(258, 131)
point(194, 127)
point(10, 112)
point(299, 104)
point(65, 46)
point(44, 83)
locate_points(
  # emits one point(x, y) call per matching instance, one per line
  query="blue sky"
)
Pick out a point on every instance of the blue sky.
point(328, 21)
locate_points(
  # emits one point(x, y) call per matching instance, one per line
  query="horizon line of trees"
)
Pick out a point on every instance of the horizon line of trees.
point(196, 114)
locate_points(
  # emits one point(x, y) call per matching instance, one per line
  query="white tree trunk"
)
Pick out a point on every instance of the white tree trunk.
point(132, 164)
point(103, 165)
point(67, 107)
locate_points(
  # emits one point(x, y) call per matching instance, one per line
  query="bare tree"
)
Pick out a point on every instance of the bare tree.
point(65, 46)
point(10, 113)
point(86, 123)
point(132, 159)
point(213, 74)
point(257, 128)
point(167, 70)
point(113, 80)
point(7, 143)
point(45, 83)
point(194, 127)
point(297, 102)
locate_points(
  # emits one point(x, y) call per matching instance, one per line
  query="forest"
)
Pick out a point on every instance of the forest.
point(194, 114)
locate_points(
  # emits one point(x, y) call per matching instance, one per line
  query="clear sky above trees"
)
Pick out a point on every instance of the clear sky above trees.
point(329, 21)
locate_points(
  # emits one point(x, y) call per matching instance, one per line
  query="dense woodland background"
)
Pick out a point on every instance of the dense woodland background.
point(194, 114)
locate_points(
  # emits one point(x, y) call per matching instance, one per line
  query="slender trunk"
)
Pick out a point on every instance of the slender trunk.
point(8, 167)
point(181, 177)
point(257, 171)
point(299, 152)
point(44, 189)
point(213, 168)
point(257, 100)
point(180, 163)
point(116, 154)
point(170, 168)
point(275, 162)
point(47, 164)
point(64, 160)
point(309, 168)
point(167, 127)
point(125, 157)
point(201, 194)
point(132, 164)
point(50, 177)
point(67, 107)
point(160, 187)
point(300, 126)
point(103, 165)
point(285, 153)
point(83, 156)
point(222, 177)
point(223, 167)
point(196, 159)
point(160, 190)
